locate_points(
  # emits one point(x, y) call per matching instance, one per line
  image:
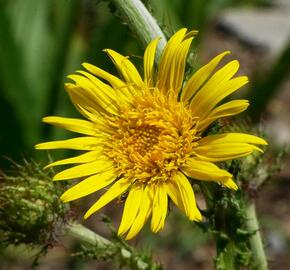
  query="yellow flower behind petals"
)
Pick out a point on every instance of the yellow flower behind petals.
point(143, 137)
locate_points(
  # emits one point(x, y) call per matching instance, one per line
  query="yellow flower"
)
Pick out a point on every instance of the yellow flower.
point(144, 137)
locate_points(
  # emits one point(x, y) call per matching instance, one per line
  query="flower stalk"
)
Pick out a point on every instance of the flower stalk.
point(256, 244)
point(97, 247)
point(141, 22)
point(85, 236)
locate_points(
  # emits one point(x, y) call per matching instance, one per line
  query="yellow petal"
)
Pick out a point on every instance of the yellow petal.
point(159, 208)
point(227, 146)
point(213, 87)
point(224, 151)
point(228, 109)
point(83, 99)
point(171, 69)
point(131, 208)
point(142, 216)
point(177, 66)
point(72, 124)
point(230, 184)
point(104, 88)
point(117, 189)
point(81, 143)
point(122, 89)
point(126, 68)
point(117, 95)
point(113, 80)
point(231, 138)
point(219, 93)
point(89, 185)
point(187, 196)
point(166, 58)
point(199, 77)
point(96, 90)
point(84, 158)
point(207, 171)
point(174, 194)
point(203, 170)
point(149, 57)
point(100, 165)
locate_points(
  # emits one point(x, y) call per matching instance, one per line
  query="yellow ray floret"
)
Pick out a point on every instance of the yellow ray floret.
point(143, 137)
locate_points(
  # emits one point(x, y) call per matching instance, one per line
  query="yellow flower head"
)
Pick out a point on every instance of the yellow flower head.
point(143, 137)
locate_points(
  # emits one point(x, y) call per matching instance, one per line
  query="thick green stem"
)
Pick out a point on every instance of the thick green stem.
point(256, 243)
point(87, 237)
point(141, 22)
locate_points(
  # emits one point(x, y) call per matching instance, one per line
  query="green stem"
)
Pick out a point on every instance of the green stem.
point(256, 243)
point(141, 22)
point(87, 237)
point(226, 255)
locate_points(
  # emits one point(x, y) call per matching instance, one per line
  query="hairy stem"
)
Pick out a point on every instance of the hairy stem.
point(84, 235)
point(141, 22)
point(257, 248)
point(87, 237)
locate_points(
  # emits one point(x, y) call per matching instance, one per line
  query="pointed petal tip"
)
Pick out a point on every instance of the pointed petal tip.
point(79, 71)
point(88, 66)
point(181, 30)
point(231, 184)
point(257, 149)
point(236, 188)
point(40, 146)
point(69, 86)
point(224, 53)
point(191, 34)
point(120, 232)
point(108, 51)
point(63, 198)
point(57, 177)
point(47, 167)
point(155, 230)
point(44, 119)
point(262, 141)
point(127, 238)
point(87, 214)
point(197, 217)
point(130, 235)
point(70, 76)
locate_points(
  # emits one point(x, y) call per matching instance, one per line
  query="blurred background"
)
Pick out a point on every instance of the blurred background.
point(42, 41)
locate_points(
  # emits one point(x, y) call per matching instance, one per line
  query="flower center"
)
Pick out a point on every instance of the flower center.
point(152, 139)
point(141, 140)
